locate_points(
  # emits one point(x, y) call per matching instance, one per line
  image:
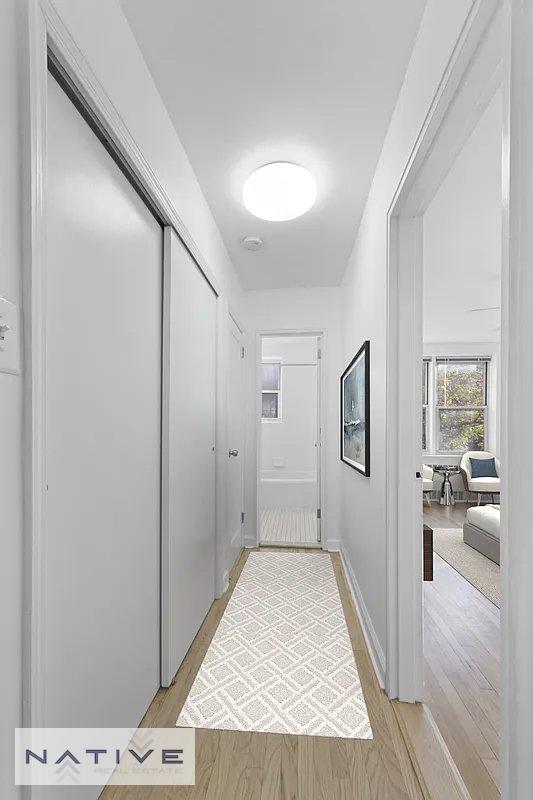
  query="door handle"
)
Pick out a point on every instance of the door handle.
point(233, 453)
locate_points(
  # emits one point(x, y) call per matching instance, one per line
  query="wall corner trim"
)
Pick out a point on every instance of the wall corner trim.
point(250, 542)
point(375, 651)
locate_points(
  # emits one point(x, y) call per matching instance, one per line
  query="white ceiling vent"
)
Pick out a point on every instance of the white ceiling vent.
point(253, 243)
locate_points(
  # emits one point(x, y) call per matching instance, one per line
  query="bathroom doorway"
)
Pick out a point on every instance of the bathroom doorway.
point(289, 475)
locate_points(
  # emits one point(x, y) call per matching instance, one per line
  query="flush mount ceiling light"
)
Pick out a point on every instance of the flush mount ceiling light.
point(279, 192)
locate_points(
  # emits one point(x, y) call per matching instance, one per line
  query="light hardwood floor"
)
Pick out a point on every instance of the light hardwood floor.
point(462, 666)
point(256, 766)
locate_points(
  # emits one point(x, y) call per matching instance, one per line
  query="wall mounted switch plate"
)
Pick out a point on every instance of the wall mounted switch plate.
point(9, 337)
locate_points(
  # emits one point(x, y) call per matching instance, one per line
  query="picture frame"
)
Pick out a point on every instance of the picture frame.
point(355, 412)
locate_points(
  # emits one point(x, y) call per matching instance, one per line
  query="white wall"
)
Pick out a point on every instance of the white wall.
point(10, 397)
point(363, 522)
point(296, 310)
point(462, 240)
point(292, 349)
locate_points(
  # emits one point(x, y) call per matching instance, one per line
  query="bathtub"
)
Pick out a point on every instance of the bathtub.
point(296, 490)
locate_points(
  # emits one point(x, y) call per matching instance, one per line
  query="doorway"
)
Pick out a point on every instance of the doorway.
point(461, 274)
point(289, 478)
point(443, 384)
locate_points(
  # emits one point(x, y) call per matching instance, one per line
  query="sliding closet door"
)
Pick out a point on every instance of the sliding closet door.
point(188, 563)
point(103, 414)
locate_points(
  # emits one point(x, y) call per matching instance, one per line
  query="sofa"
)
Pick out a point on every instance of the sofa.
point(482, 530)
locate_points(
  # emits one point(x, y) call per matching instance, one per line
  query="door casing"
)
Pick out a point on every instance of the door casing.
point(475, 71)
point(235, 441)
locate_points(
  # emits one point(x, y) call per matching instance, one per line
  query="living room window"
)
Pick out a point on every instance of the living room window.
point(271, 391)
point(460, 404)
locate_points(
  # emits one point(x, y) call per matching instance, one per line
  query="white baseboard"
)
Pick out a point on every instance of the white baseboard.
point(225, 581)
point(332, 545)
point(249, 541)
point(375, 651)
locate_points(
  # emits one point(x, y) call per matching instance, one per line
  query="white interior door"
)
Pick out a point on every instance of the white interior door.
point(188, 556)
point(103, 436)
point(235, 440)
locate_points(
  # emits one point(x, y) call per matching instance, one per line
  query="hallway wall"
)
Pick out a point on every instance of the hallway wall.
point(364, 292)
point(296, 309)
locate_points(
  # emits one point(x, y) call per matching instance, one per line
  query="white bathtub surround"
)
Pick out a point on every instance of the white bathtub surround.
point(297, 490)
point(288, 526)
point(281, 660)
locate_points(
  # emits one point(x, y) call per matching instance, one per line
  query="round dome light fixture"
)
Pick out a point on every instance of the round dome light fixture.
point(279, 191)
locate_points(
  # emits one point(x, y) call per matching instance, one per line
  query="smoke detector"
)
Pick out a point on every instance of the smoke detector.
point(253, 243)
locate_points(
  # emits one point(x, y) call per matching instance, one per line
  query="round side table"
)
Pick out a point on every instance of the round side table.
point(446, 492)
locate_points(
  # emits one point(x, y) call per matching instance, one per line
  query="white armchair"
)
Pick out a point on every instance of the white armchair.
point(481, 486)
point(428, 483)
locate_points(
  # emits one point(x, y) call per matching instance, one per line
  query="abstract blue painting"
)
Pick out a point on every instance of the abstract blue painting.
point(355, 411)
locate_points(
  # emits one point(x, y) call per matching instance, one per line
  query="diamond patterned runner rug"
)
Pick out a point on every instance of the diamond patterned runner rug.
point(281, 660)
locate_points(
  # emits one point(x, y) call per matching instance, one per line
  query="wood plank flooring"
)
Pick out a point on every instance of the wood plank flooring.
point(257, 766)
point(288, 526)
point(462, 666)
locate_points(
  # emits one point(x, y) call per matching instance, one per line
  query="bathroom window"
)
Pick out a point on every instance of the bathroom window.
point(271, 390)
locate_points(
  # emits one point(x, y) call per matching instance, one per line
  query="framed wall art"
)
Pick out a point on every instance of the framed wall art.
point(355, 412)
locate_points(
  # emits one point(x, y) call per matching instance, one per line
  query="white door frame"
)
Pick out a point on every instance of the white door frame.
point(321, 335)
point(479, 64)
point(48, 34)
point(475, 70)
point(517, 418)
point(224, 315)
point(229, 318)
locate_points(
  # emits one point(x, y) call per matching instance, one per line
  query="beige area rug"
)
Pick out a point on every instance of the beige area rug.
point(281, 660)
point(478, 570)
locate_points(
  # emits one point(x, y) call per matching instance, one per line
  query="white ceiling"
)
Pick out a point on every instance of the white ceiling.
point(463, 241)
point(247, 83)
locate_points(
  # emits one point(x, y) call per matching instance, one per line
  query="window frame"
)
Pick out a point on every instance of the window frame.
point(278, 391)
point(426, 362)
point(436, 408)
